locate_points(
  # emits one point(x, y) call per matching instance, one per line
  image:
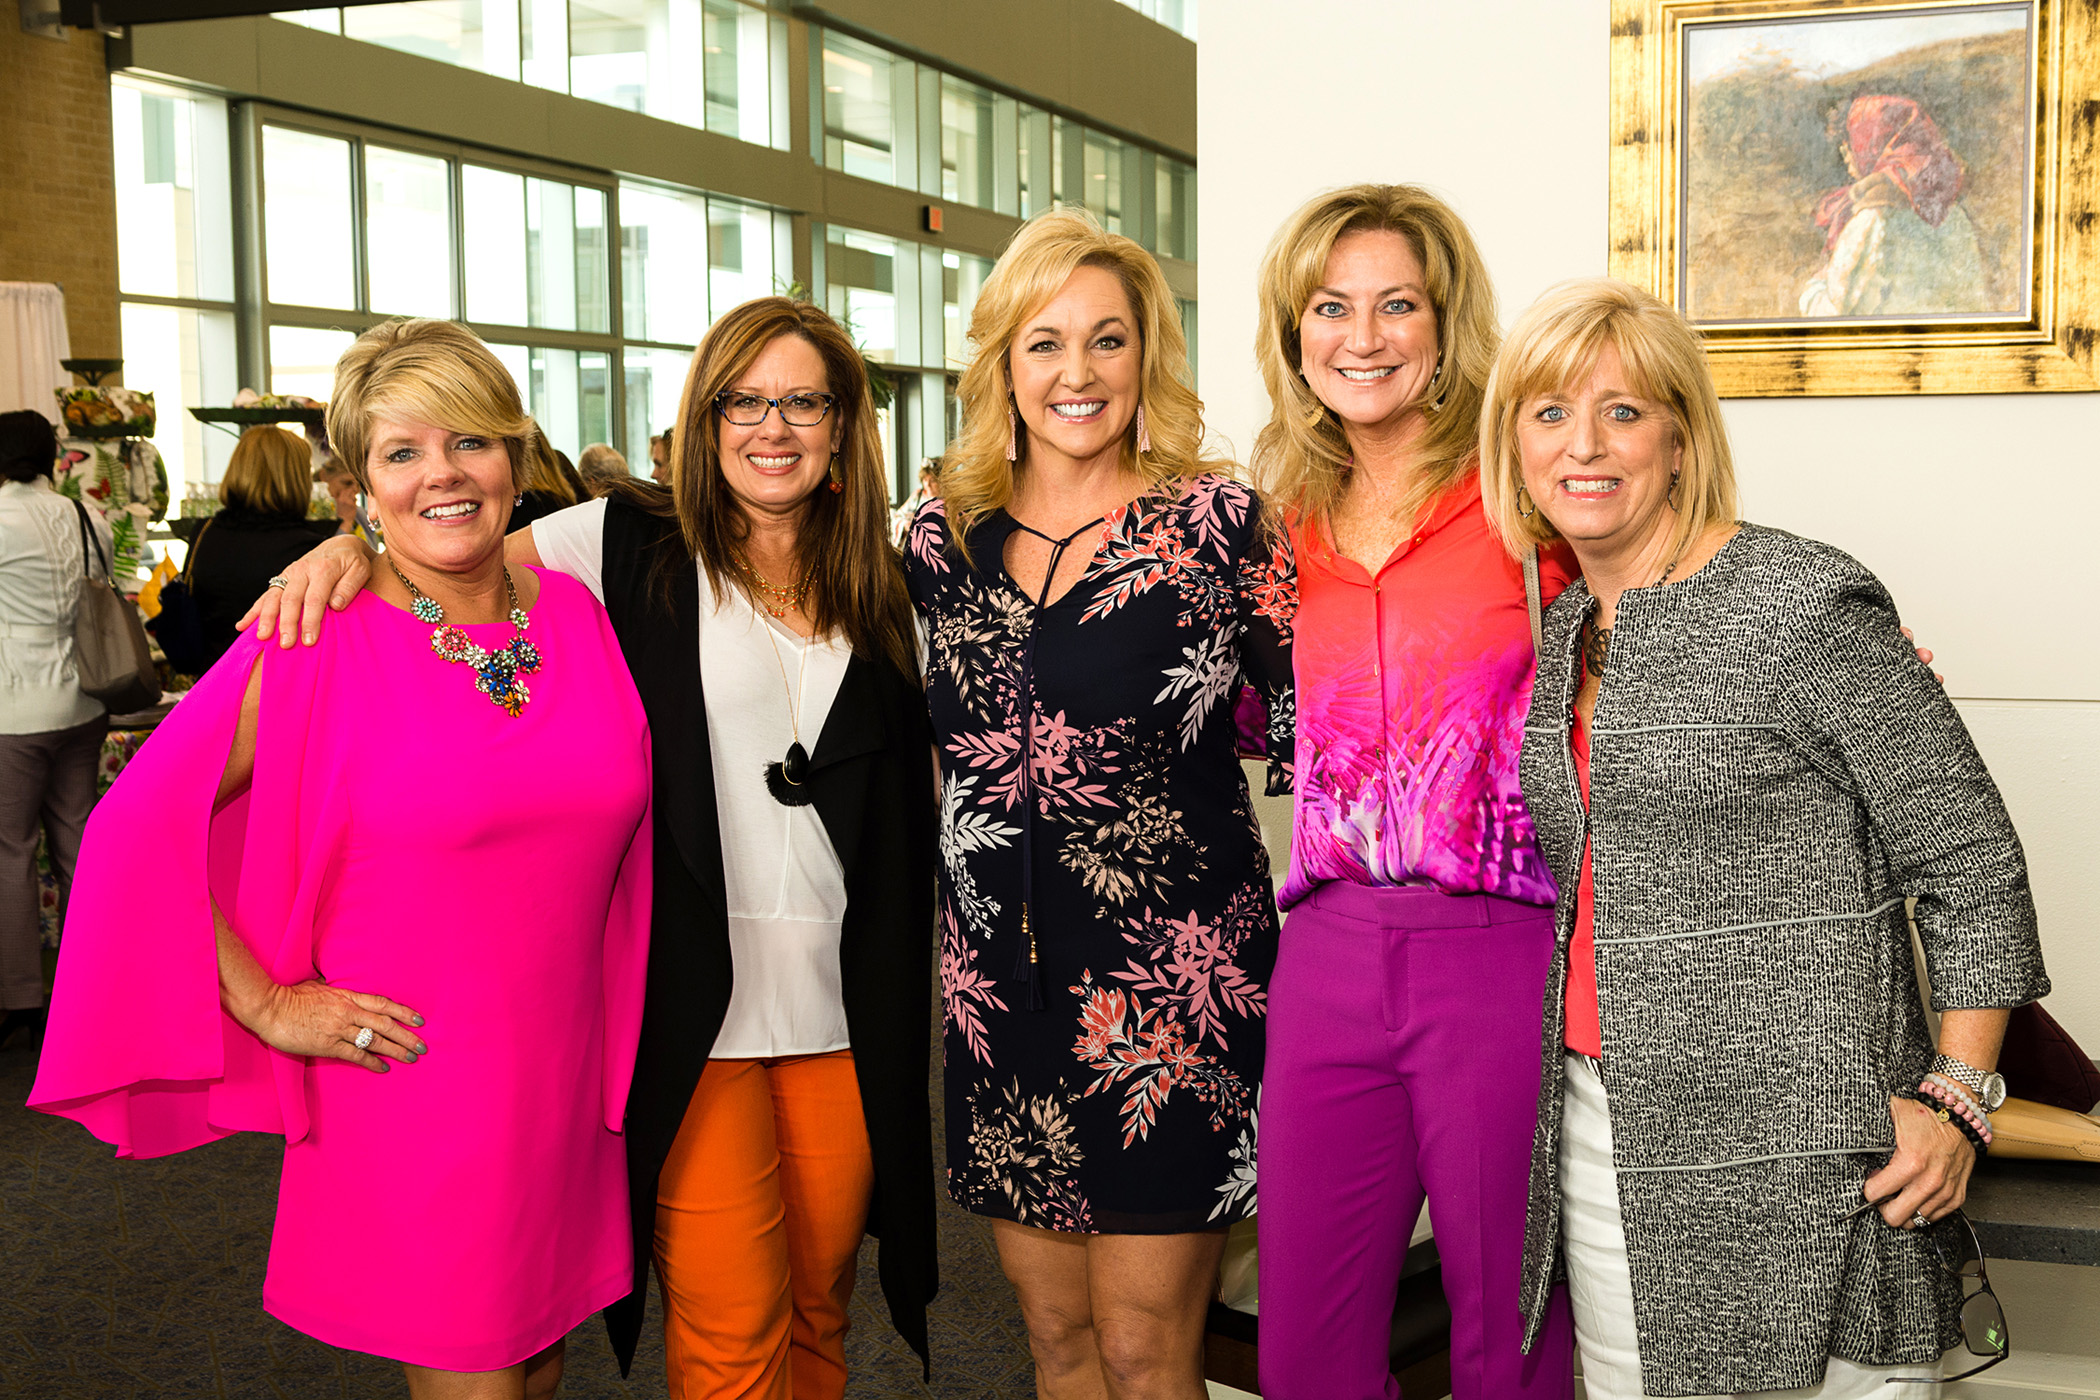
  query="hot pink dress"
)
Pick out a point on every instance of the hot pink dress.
point(403, 835)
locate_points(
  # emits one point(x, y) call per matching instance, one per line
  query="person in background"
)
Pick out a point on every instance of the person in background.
point(660, 458)
point(50, 733)
point(341, 485)
point(1750, 1147)
point(599, 466)
point(1414, 881)
point(548, 487)
point(261, 527)
point(369, 935)
point(929, 487)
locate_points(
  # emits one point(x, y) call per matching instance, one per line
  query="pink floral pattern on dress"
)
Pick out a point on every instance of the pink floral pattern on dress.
point(1125, 1102)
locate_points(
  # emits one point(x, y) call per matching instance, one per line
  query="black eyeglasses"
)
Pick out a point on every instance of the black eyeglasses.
point(748, 410)
point(1983, 1329)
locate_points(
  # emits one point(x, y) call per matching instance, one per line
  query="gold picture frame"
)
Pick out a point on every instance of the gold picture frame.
point(2026, 319)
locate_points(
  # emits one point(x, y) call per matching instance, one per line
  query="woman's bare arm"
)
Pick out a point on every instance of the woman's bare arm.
point(311, 1018)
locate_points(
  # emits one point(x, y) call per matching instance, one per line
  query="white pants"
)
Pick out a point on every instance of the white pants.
point(1600, 1286)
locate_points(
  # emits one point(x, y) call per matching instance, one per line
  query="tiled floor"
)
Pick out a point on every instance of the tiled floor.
point(144, 1279)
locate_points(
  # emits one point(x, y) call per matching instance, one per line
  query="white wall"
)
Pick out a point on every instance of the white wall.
point(1974, 510)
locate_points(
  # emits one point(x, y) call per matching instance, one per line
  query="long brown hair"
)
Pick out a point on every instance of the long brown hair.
point(1301, 457)
point(856, 582)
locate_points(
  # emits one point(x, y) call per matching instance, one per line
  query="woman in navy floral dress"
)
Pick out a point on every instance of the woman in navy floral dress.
point(1107, 920)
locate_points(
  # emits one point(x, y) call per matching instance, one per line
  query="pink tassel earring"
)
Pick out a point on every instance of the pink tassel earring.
point(1144, 438)
point(1013, 430)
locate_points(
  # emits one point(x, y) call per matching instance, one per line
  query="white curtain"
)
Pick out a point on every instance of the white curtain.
point(32, 342)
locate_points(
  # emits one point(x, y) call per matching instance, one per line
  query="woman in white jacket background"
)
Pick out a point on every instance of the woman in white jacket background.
point(50, 732)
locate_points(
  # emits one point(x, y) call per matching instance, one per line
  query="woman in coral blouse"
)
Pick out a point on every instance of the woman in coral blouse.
point(1404, 1014)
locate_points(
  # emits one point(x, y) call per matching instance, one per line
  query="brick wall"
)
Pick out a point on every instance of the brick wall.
point(58, 207)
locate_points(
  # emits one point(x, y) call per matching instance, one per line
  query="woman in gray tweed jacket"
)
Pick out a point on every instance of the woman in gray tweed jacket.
point(1737, 1057)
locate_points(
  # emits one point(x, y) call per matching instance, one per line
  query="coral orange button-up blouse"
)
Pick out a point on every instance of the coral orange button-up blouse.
point(1412, 691)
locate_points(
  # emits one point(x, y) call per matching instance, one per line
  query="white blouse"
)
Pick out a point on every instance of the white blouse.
point(787, 891)
point(40, 573)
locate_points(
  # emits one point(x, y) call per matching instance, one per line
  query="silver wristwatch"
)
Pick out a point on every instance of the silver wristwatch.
point(1988, 1087)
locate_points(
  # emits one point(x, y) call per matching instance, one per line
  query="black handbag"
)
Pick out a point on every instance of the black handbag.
point(180, 626)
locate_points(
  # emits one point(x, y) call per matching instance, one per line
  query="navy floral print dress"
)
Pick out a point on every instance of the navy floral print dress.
point(1105, 965)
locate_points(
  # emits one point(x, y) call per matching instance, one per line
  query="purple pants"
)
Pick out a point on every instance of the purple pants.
point(1403, 1061)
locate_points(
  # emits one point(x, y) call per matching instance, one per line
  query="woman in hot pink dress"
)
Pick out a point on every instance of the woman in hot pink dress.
point(423, 845)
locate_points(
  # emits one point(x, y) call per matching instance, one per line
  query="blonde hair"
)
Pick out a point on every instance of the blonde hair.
point(270, 472)
point(436, 372)
point(1554, 346)
point(1301, 457)
point(856, 584)
point(976, 479)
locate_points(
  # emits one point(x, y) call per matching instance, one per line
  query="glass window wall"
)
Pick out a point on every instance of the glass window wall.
point(185, 358)
point(861, 107)
point(308, 231)
point(174, 193)
point(535, 252)
point(663, 284)
point(966, 143)
point(655, 379)
point(464, 33)
point(637, 54)
point(302, 359)
point(1174, 206)
point(962, 278)
point(862, 291)
point(408, 232)
point(740, 254)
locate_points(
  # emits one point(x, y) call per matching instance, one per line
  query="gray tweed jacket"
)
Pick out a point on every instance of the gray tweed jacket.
point(1772, 773)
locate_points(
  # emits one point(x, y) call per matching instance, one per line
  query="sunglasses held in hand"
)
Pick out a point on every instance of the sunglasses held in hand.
point(1983, 1329)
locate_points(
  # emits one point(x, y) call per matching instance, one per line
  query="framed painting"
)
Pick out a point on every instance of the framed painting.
point(1849, 198)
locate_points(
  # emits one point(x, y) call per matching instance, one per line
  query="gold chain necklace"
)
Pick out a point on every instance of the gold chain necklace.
point(776, 599)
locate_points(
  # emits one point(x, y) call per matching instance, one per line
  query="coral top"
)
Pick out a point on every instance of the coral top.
point(402, 835)
point(1412, 691)
point(1584, 1034)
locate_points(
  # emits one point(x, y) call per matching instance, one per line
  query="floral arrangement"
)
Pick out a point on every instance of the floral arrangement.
point(107, 411)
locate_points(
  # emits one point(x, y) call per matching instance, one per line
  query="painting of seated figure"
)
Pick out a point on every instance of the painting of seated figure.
point(1862, 166)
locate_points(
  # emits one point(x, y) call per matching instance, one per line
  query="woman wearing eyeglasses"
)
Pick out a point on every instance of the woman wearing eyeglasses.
point(780, 1093)
point(1749, 1141)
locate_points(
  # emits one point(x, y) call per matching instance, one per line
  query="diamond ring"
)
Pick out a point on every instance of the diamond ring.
point(280, 581)
point(1919, 1219)
point(364, 1038)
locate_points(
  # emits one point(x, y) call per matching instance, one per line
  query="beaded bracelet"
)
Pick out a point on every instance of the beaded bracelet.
point(1942, 1086)
point(1968, 1122)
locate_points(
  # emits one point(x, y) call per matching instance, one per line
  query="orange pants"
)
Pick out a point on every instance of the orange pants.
point(759, 1214)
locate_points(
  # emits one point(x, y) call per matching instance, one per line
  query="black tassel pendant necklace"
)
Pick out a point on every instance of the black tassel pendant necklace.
point(788, 779)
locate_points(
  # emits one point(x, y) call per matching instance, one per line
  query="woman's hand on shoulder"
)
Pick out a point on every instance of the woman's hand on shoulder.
point(1929, 1173)
point(327, 576)
point(1924, 653)
point(313, 1018)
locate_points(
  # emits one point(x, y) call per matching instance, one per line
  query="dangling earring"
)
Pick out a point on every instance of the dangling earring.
point(1672, 497)
point(1526, 507)
point(1144, 438)
point(1435, 377)
point(1013, 434)
point(838, 482)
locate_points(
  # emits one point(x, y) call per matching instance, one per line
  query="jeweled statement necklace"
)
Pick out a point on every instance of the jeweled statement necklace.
point(498, 674)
